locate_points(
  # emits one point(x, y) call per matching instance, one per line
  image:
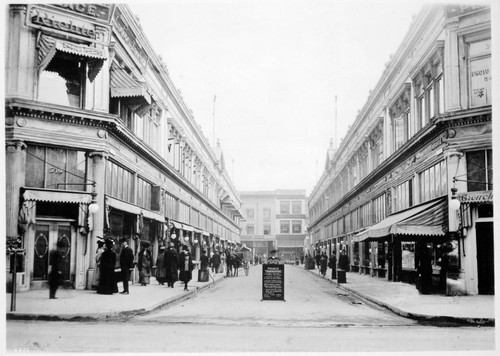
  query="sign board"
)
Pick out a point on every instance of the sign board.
point(273, 281)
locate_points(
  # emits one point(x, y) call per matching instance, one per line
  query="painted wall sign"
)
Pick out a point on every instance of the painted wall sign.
point(56, 21)
point(98, 11)
point(273, 282)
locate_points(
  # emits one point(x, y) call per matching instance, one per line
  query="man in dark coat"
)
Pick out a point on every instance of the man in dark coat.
point(171, 261)
point(317, 258)
point(424, 271)
point(323, 261)
point(204, 261)
point(185, 266)
point(126, 263)
point(55, 273)
point(332, 263)
point(216, 262)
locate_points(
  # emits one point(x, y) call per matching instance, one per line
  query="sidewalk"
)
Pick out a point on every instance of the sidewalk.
point(77, 305)
point(405, 300)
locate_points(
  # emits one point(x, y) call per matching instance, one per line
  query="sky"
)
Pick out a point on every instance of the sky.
point(263, 75)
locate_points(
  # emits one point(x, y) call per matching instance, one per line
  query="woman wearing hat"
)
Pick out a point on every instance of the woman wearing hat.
point(171, 263)
point(161, 270)
point(98, 254)
point(185, 266)
point(144, 264)
point(107, 280)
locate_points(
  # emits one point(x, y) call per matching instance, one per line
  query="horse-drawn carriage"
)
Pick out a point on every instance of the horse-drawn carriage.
point(237, 259)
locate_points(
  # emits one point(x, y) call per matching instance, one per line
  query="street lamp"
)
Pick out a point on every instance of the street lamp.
point(454, 203)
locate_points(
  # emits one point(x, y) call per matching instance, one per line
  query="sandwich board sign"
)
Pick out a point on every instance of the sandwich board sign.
point(273, 281)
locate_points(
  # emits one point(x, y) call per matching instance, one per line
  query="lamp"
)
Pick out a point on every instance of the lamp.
point(195, 241)
point(454, 203)
point(186, 238)
point(93, 207)
point(173, 236)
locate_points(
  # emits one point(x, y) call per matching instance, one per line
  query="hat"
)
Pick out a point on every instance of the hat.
point(100, 243)
point(171, 244)
point(145, 243)
point(185, 248)
point(162, 247)
point(99, 238)
point(108, 242)
point(123, 239)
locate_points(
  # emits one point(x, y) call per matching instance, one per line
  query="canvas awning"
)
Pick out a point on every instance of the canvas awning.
point(427, 219)
point(48, 47)
point(57, 196)
point(176, 224)
point(133, 209)
point(123, 85)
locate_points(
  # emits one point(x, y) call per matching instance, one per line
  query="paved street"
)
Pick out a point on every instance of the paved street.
point(316, 317)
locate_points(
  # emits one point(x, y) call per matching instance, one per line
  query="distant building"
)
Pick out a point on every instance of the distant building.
point(415, 170)
point(274, 220)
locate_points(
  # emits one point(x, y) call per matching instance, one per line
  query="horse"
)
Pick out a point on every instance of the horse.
point(233, 262)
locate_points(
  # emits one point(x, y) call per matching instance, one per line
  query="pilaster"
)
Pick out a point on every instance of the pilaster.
point(15, 160)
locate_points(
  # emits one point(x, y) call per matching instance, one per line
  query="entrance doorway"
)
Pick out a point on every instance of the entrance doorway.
point(47, 234)
point(485, 258)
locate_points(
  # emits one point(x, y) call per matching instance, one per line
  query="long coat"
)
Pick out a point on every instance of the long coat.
point(144, 266)
point(107, 280)
point(185, 266)
point(171, 263)
point(161, 271)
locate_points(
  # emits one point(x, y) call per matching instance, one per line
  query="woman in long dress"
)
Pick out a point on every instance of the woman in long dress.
point(97, 271)
point(144, 265)
point(107, 280)
point(161, 271)
point(185, 266)
point(171, 263)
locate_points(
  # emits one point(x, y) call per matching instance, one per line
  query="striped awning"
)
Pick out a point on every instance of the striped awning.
point(123, 85)
point(48, 47)
point(57, 196)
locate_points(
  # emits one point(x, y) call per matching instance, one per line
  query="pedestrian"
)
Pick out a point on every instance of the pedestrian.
point(171, 263)
point(323, 261)
point(185, 266)
point(107, 279)
point(332, 263)
point(343, 261)
point(216, 261)
point(424, 271)
point(144, 263)
point(126, 263)
point(97, 270)
point(317, 257)
point(204, 260)
point(161, 271)
point(55, 268)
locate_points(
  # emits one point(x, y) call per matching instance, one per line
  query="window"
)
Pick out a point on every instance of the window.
point(172, 206)
point(433, 182)
point(400, 116)
point(250, 214)
point(479, 64)
point(55, 168)
point(365, 215)
point(363, 163)
point(296, 207)
point(119, 182)
point(284, 226)
point(479, 170)
point(144, 194)
point(284, 207)
point(378, 206)
point(184, 212)
point(267, 229)
point(267, 214)
point(297, 226)
point(403, 196)
point(250, 229)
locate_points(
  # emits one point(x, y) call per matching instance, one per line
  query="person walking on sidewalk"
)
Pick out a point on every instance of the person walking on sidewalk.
point(144, 264)
point(185, 266)
point(171, 263)
point(317, 258)
point(323, 261)
point(332, 263)
point(107, 280)
point(424, 271)
point(216, 261)
point(55, 268)
point(161, 271)
point(126, 263)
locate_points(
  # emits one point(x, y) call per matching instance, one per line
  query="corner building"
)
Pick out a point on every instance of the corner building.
point(415, 169)
point(274, 220)
point(99, 142)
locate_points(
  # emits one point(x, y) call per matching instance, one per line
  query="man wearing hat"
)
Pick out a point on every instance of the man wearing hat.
point(126, 263)
point(171, 262)
point(55, 268)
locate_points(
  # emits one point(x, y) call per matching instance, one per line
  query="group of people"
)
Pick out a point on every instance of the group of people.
point(171, 266)
point(322, 262)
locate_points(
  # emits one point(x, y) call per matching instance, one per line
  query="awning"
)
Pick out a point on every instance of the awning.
point(48, 47)
point(176, 224)
point(205, 233)
point(123, 85)
point(133, 209)
point(57, 196)
point(427, 219)
point(187, 227)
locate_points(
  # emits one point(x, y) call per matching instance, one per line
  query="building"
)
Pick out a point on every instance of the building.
point(415, 169)
point(274, 220)
point(99, 143)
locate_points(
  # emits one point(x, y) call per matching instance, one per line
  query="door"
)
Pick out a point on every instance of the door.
point(485, 260)
point(47, 234)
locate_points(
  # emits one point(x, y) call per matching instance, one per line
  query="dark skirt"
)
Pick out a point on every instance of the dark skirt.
point(185, 276)
point(107, 282)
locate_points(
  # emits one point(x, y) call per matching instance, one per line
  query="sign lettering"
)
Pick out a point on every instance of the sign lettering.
point(273, 282)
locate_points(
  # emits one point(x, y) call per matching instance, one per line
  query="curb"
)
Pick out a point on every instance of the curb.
point(414, 316)
point(113, 315)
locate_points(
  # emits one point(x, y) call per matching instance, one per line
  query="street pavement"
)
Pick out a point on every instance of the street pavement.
point(401, 298)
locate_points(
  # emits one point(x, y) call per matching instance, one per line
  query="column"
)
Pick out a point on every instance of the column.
point(97, 172)
point(452, 83)
point(15, 159)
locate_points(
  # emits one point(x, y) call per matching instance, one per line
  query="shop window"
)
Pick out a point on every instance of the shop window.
point(408, 255)
point(55, 168)
point(479, 170)
point(480, 76)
